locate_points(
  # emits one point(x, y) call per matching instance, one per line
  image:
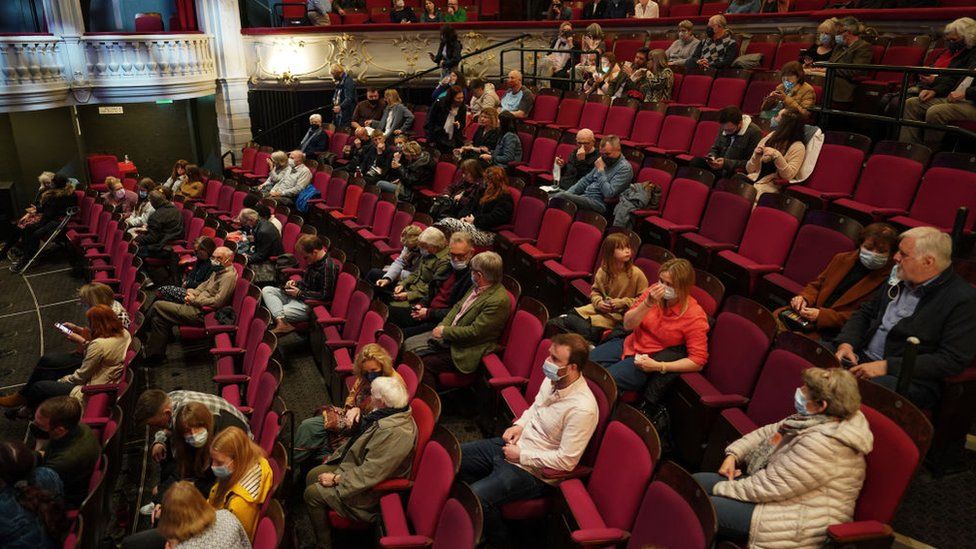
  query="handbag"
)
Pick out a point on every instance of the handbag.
point(441, 207)
point(797, 323)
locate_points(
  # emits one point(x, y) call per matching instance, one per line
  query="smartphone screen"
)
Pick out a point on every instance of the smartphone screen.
point(62, 327)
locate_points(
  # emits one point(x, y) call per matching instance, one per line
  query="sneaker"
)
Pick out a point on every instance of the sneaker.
point(147, 509)
point(17, 266)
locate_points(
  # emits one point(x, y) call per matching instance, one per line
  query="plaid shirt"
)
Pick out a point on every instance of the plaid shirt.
point(319, 280)
point(214, 403)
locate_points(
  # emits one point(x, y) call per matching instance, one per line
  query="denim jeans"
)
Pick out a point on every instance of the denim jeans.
point(627, 375)
point(734, 516)
point(282, 305)
point(924, 394)
point(496, 481)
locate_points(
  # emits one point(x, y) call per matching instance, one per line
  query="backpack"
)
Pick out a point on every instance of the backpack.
point(306, 194)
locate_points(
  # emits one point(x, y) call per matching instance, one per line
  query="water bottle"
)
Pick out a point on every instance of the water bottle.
point(126, 159)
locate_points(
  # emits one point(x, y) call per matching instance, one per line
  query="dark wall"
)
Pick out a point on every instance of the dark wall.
point(256, 13)
point(42, 141)
point(102, 17)
point(18, 16)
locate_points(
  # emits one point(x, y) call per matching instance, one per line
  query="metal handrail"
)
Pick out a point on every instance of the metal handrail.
point(396, 84)
point(899, 119)
point(574, 53)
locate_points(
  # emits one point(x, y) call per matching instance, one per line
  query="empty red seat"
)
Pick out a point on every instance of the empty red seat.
point(682, 210)
point(568, 115)
point(722, 225)
point(620, 119)
point(541, 159)
point(701, 143)
point(790, 51)
point(594, 114)
point(888, 182)
point(694, 89)
point(645, 129)
point(675, 136)
point(726, 92)
point(544, 108)
point(951, 175)
point(835, 178)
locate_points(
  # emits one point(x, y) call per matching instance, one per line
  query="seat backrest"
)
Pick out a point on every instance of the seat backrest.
point(890, 468)
point(554, 230)
point(528, 216)
point(660, 177)
point(686, 200)
point(543, 152)
point(383, 218)
point(772, 398)
point(454, 528)
point(344, 288)
point(367, 207)
point(525, 334)
point(789, 51)
point(410, 380)
point(335, 192)
point(899, 56)
point(261, 168)
point(261, 392)
point(768, 236)
point(545, 107)
point(535, 374)
point(727, 91)
point(569, 112)
point(647, 126)
point(737, 344)
point(839, 174)
point(814, 247)
point(423, 418)
point(725, 217)
point(582, 246)
point(445, 173)
point(622, 470)
point(526, 140)
point(757, 91)
point(705, 134)
point(695, 89)
point(249, 306)
point(931, 206)
point(356, 310)
point(676, 132)
point(675, 513)
point(248, 155)
point(432, 485)
point(350, 202)
point(620, 118)
point(338, 142)
point(888, 181)
point(371, 324)
point(594, 113)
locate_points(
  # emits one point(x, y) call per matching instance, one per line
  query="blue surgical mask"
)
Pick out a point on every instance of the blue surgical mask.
point(788, 85)
point(371, 376)
point(839, 39)
point(825, 39)
point(774, 122)
point(143, 195)
point(800, 402)
point(894, 278)
point(197, 440)
point(872, 260)
point(551, 371)
point(221, 471)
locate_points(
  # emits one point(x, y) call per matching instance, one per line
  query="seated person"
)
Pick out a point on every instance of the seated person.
point(558, 12)
point(947, 97)
point(433, 262)
point(381, 448)
point(812, 459)
point(376, 161)
point(610, 80)
point(670, 333)
point(30, 215)
point(850, 49)
point(446, 121)
point(264, 240)
point(611, 174)
point(135, 222)
point(443, 291)
point(199, 271)
point(244, 477)
point(163, 226)
point(411, 167)
point(289, 180)
point(485, 137)
point(186, 520)
point(360, 142)
point(794, 93)
point(431, 14)
point(551, 434)
point(656, 82)
point(177, 176)
point(582, 161)
point(850, 279)
point(103, 363)
point(462, 194)
point(616, 285)
point(593, 9)
point(34, 228)
point(508, 149)
point(926, 299)
point(718, 50)
point(733, 146)
point(215, 292)
point(117, 198)
point(316, 140)
point(471, 329)
point(682, 49)
point(454, 13)
point(193, 187)
point(395, 117)
point(492, 210)
point(483, 96)
point(407, 260)
point(66, 446)
point(368, 109)
point(744, 6)
point(779, 155)
point(402, 13)
point(329, 429)
point(519, 100)
point(288, 304)
point(30, 500)
point(822, 50)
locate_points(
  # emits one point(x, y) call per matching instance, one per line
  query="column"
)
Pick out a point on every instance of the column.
point(65, 20)
point(221, 19)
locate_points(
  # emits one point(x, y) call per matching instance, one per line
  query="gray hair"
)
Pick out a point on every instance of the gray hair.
point(964, 27)
point(315, 117)
point(300, 154)
point(45, 178)
point(462, 236)
point(611, 140)
point(489, 264)
point(851, 25)
point(930, 241)
point(719, 20)
point(390, 390)
point(433, 237)
point(249, 215)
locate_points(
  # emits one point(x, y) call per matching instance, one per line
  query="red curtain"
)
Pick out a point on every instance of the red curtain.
point(187, 14)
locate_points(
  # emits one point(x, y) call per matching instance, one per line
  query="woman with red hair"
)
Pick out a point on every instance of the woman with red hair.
point(493, 209)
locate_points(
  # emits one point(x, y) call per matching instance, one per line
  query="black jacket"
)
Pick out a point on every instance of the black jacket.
point(164, 225)
point(267, 242)
point(406, 14)
point(462, 283)
point(453, 57)
point(576, 168)
point(593, 10)
point(617, 9)
point(737, 148)
point(944, 322)
point(491, 214)
point(54, 204)
point(371, 158)
point(318, 143)
point(416, 173)
point(434, 127)
point(946, 84)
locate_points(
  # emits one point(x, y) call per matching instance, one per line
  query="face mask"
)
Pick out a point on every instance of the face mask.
point(120, 194)
point(839, 39)
point(371, 376)
point(787, 85)
point(291, 162)
point(215, 263)
point(800, 402)
point(424, 252)
point(710, 32)
point(374, 102)
point(895, 276)
point(774, 123)
point(551, 371)
point(459, 265)
point(607, 160)
point(143, 195)
point(872, 260)
point(566, 32)
point(197, 440)
point(955, 46)
point(221, 471)
point(38, 433)
point(669, 293)
point(825, 39)
point(605, 67)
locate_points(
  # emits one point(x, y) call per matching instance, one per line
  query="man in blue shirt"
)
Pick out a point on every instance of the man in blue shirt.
point(925, 299)
point(344, 98)
point(609, 177)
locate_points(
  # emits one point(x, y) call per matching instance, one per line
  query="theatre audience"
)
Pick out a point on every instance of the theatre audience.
point(117, 198)
point(66, 446)
point(462, 194)
point(560, 62)
point(453, 78)
point(188, 521)
point(401, 13)
point(669, 333)
point(926, 299)
point(489, 212)
point(718, 50)
point(316, 140)
point(485, 137)
point(328, 430)
point(318, 12)
point(215, 292)
point(471, 329)
point(288, 304)
point(850, 49)
point(199, 271)
point(407, 260)
point(682, 49)
point(361, 141)
point(616, 285)
point(744, 6)
point(778, 155)
point(733, 146)
point(433, 262)
point(657, 82)
point(395, 118)
point(285, 182)
point(31, 506)
point(580, 163)
point(177, 177)
point(551, 434)
point(264, 239)
point(508, 149)
point(411, 167)
point(593, 9)
point(163, 226)
point(380, 448)
point(813, 459)
point(593, 40)
point(558, 12)
point(519, 99)
point(368, 109)
point(794, 93)
point(823, 49)
point(850, 279)
point(611, 174)
point(609, 80)
point(454, 13)
point(431, 13)
point(376, 161)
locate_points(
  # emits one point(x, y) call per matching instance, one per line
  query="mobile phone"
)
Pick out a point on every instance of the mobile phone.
point(62, 327)
point(847, 363)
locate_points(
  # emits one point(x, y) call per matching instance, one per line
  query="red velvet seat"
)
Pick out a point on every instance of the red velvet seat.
point(695, 89)
point(568, 115)
point(675, 137)
point(725, 92)
point(675, 513)
point(722, 225)
point(619, 122)
point(541, 159)
point(553, 233)
point(682, 210)
point(645, 130)
point(701, 143)
point(513, 367)
point(836, 178)
point(887, 184)
point(594, 114)
point(445, 174)
point(951, 175)
point(544, 108)
point(526, 222)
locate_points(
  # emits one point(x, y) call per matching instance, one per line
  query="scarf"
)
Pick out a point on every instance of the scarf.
point(758, 459)
point(365, 423)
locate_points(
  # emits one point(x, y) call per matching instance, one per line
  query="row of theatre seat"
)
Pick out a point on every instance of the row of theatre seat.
point(621, 488)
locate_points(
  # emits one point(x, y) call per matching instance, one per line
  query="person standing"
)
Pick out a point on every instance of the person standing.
point(344, 97)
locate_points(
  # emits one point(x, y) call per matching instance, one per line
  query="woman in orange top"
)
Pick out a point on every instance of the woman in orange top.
point(670, 332)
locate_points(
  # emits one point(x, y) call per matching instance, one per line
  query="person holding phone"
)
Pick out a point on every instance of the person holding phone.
point(733, 146)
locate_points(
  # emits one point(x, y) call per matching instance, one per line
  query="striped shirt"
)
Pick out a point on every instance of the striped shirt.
point(214, 403)
point(251, 482)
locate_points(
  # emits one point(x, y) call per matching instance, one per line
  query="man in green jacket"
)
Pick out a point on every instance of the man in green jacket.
point(434, 263)
point(471, 328)
point(454, 13)
point(66, 445)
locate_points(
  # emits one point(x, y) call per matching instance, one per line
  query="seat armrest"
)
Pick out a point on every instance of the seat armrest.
point(850, 533)
point(580, 471)
point(405, 542)
point(231, 379)
point(543, 257)
point(724, 401)
point(221, 329)
point(498, 383)
point(100, 388)
point(227, 351)
point(329, 321)
point(98, 256)
point(600, 536)
point(340, 344)
point(394, 485)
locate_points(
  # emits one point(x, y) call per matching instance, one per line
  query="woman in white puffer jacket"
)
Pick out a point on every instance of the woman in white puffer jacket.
point(802, 474)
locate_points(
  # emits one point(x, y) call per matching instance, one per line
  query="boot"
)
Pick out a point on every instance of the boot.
point(13, 400)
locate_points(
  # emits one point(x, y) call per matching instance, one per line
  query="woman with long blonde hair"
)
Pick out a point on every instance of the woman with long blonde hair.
point(243, 474)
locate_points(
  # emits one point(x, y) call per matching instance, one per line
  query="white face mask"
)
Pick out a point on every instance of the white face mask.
point(669, 293)
point(198, 439)
point(291, 162)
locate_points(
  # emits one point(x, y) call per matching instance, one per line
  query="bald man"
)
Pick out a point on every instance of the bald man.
point(519, 99)
point(581, 161)
point(215, 292)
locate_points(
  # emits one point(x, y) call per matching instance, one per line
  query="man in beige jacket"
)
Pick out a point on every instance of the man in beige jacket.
point(215, 292)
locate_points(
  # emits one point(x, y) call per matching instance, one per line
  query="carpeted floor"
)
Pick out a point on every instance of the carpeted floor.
point(937, 512)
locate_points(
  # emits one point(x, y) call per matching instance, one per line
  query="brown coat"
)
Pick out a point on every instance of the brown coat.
point(817, 291)
point(800, 99)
